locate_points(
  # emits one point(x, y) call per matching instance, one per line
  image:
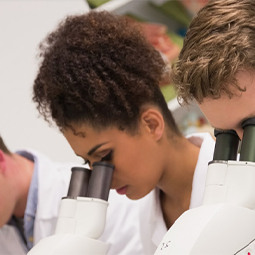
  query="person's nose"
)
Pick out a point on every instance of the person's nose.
point(239, 132)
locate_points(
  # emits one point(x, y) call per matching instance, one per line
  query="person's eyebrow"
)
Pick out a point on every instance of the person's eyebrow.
point(91, 151)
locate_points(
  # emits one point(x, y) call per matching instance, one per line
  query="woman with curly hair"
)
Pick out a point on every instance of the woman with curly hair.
point(99, 82)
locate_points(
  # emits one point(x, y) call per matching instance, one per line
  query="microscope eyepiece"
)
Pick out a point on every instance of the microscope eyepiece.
point(248, 122)
point(247, 152)
point(95, 183)
point(79, 182)
point(229, 131)
point(226, 146)
point(100, 180)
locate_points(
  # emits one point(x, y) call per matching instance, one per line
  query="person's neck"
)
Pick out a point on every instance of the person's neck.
point(24, 173)
point(176, 182)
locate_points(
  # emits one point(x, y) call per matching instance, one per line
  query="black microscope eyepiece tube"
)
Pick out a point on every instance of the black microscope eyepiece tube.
point(100, 180)
point(226, 146)
point(79, 182)
point(247, 152)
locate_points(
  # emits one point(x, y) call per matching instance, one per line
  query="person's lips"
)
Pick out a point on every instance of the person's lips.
point(122, 190)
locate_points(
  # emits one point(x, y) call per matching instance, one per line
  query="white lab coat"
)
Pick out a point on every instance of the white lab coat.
point(53, 182)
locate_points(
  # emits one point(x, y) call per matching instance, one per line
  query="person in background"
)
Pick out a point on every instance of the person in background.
point(216, 66)
point(31, 187)
point(98, 80)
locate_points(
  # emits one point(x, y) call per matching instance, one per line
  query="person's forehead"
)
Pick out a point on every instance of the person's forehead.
point(219, 113)
point(227, 114)
point(228, 111)
point(86, 137)
point(84, 134)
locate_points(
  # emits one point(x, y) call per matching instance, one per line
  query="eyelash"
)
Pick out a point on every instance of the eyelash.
point(86, 162)
point(107, 157)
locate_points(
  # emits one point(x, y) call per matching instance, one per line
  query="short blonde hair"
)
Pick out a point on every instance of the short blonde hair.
point(219, 42)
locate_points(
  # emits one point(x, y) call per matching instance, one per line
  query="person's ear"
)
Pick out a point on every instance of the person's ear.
point(2, 162)
point(154, 123)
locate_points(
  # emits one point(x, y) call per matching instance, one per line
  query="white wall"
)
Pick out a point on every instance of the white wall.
point(23, 24)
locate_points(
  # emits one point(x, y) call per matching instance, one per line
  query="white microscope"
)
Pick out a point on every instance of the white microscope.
point(82, 214)
point(225, 223)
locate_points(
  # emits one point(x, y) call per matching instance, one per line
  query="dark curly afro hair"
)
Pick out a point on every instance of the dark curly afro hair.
point(98, 69)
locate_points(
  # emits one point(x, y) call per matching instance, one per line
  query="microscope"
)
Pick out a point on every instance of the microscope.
point(225, 222)
point(82, 214)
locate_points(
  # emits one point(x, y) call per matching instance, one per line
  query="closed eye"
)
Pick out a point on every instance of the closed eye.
point(108, 156)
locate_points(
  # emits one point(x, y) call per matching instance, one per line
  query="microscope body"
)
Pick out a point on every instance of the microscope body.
point(225, 223)
point(82, 215)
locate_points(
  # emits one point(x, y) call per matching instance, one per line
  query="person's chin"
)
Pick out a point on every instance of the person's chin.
point(133, 196)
